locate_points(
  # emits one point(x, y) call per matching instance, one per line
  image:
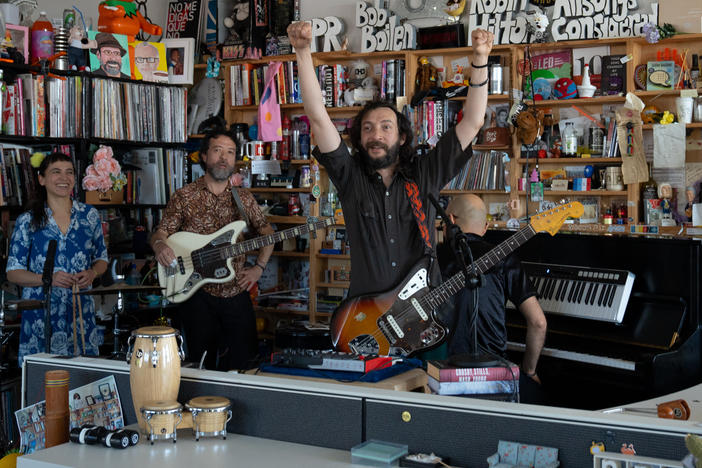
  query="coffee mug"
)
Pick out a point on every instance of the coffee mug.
point(684, 106)
point(613, 176)
point(254, 150)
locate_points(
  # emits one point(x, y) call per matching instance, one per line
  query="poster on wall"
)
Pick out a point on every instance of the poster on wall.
point(569, 20)
point(183, 19)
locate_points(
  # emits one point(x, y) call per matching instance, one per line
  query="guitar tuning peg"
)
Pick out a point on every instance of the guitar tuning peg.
point(563, 201)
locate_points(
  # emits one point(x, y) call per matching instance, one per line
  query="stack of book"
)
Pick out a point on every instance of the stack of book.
point(480, 382)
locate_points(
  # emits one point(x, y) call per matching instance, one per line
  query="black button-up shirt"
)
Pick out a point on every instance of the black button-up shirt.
point(506, 280)
point(381, 228)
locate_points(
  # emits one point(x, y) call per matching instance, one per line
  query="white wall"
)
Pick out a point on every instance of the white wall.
point(684, 14)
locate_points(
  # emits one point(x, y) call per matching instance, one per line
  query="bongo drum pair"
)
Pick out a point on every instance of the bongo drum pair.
point(210, 415)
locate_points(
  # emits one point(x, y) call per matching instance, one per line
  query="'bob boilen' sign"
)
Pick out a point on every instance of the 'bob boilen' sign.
point(569, 19)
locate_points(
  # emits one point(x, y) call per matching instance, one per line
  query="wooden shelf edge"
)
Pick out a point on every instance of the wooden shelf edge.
point(335, 256)
point(291, 253)
point(344, 285)
point(566, 161)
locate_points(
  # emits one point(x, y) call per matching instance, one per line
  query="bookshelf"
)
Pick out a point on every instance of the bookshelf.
point(518, 200)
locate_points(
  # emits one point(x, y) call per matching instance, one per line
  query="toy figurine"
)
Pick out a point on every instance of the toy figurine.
point(537, 25)
point(690, 194)
point(427, 75)
point(665, 193)
point(77, 45)
point(122, 17)
point(238, 23)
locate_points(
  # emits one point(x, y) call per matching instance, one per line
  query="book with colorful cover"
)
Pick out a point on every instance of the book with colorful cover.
point(474, 388)
point(660, 75)
point(444, 371)
point(613, 75)
point(546, 70)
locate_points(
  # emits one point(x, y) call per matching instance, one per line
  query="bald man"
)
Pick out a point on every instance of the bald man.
point(505, 280)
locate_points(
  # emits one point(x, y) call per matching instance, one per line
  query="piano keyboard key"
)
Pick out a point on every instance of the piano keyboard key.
point(604, 361)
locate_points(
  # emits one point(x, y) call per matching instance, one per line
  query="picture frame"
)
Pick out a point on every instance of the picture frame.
point(149, 62)
point(108, 49)
point(105, 391)
point(340, 274)
point(89, 400)
point(20, 39)
point(179, 57)
point(591, 213)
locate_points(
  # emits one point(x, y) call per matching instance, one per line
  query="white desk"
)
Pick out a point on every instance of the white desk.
point(237, 450)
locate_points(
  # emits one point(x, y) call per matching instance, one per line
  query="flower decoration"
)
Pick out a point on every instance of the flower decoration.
point(651, 33)
point(667, 118)
point(36, 159)
point(104, 173)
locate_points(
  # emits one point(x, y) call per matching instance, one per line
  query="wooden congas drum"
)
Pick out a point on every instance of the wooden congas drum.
point(210, 416)
point(161, 418)
point(154, 366)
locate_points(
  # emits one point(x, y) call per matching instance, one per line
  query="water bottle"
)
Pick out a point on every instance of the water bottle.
point(133, 278)
point(42, 38)
point(570, 141)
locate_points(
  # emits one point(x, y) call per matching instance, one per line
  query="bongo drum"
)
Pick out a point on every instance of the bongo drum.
point(161, 418)
point(154, 366)
point(210, 416)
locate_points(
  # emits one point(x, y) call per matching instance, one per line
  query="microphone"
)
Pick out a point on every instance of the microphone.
point(49, 264)
point(452, 230)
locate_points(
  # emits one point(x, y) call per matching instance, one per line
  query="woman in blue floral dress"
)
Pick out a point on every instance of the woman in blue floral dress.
point(81, 256)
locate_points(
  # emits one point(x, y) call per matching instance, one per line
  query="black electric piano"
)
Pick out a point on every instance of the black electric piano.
point(623, 316)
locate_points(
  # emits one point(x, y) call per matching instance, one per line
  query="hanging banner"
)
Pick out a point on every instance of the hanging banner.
point(569, 20)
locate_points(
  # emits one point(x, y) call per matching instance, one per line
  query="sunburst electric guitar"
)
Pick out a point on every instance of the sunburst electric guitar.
point(402, 321)
point(202, 259)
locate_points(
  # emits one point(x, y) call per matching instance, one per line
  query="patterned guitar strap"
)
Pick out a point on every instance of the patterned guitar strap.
point(240, 207)
point(412, 191)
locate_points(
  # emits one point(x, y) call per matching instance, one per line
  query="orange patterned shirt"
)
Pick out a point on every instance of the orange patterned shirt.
point(194, 208)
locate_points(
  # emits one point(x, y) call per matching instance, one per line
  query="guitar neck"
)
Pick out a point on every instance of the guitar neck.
point(259, 242)
point(458, 281)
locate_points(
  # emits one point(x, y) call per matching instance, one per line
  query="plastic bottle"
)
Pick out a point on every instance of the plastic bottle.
point(284, 152)
point(570, 141)
point(42, 38)
point(133, 278)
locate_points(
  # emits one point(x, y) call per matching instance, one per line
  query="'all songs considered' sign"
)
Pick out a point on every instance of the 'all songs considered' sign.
point(568, 19)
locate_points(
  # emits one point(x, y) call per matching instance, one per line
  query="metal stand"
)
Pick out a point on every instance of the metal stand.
point(117, 352)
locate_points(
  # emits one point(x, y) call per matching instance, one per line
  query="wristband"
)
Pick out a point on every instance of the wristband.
point(479, 84)
point(485, 65)
point(528, 374)
point(262, 267)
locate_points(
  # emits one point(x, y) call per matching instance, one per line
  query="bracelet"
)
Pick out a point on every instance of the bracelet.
point(479, 84)
point(262, 267)
point(96, 273)
point(157, 241)
point(485, 65)
point(528, 374)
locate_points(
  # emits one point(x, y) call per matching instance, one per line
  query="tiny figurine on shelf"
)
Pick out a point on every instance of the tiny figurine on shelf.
point(455, 7)
point(238, 23)
point(690, 195)
point(651, 114)
point(78, 44)
point(628, 449)
point(542, 89)
point(565, 89)
point(597, 447)
point(427, 75)
point(665, 193)
point(667, 118)
point(361, 86)
point(271, 45)
point(694, 446)
point(457, 80)
point(537, 25)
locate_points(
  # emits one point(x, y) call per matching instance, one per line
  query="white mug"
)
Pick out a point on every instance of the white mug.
point(254, 150)
point(684, 106)
point(613, 176)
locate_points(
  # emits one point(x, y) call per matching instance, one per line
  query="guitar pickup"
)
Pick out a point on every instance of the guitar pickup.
point(181, 265)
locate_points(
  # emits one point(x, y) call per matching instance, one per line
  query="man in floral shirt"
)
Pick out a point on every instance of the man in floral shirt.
point(218, 318)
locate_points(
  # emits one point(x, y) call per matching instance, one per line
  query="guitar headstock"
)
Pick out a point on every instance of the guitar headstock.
point(551, 220)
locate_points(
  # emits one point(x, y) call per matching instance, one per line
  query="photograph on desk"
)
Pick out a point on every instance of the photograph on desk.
point(30, 421)
point(96, 403)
